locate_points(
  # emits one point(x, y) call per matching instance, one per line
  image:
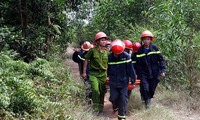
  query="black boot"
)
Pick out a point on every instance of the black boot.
point(147, 103)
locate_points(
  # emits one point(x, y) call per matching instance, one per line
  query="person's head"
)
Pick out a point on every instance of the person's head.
point(146, 41)
point(136, 46)
point(117, 47)
point(86, 46)
point(147, 37)
point(100, 39)
point(128, 45)
point(101, 42)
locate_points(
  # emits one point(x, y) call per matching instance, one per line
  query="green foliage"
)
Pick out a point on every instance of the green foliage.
point(118, 19)
point(174, 24)
point(34, 30)
point(24, 99)
point(31, 30)
point(78, 19)
point(29, 88)
point(177, 26)
point(41, 67)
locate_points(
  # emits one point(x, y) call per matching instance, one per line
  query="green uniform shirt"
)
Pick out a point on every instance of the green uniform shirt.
point(98, 61)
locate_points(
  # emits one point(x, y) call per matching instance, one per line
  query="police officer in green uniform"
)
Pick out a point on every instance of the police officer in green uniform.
point(98, 58)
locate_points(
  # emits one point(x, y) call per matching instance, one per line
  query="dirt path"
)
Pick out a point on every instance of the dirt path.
point(108, 112)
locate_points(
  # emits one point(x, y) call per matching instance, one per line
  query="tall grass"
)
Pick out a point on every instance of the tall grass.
point(166, 105)
point(155, 112)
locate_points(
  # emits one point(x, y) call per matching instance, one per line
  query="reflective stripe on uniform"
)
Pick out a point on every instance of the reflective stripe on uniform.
point(150, 53)
point(140, 55)
point(155, 52)
point(122, 117)
point(120, 62)
point(81, 58)
point(133, 61)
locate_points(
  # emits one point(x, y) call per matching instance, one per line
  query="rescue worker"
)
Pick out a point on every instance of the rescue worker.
point(128, 46)
point(107, 47)
point(135, 47)
point(150, 65)
point(86, 46)
point(128, 49)
point(120, 69)
point(75, 57)
point(81, 58)
point(98, 57)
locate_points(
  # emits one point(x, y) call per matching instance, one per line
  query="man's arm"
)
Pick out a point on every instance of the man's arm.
point(84, 75)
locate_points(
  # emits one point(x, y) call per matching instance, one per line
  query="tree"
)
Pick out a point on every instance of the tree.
point(177, 30)
point(36, 28)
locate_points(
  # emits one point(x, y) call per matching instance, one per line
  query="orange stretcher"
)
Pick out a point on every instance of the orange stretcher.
point(130, 86)
point(136, 84)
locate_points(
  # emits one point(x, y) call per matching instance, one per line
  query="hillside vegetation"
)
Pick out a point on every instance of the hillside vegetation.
point(36, 84)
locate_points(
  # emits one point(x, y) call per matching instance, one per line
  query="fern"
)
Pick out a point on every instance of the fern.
point(24, 99)
point(29, 88)
point(4, 100)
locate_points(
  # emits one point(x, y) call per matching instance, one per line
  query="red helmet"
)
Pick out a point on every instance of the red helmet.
point(86, 46)
point(117, 46)
point(128, 44)
point(130, 86)
point(136, 46)
point(99, 35)
point(147, 33)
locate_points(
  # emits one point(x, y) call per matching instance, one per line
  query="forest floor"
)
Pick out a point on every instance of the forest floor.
point(110, 115)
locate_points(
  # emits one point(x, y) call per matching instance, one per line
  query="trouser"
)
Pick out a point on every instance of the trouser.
point(129, 93)
point(80, 68)
point(88, 91)
point(119, 99)
point(98, 91)
point(148, 87)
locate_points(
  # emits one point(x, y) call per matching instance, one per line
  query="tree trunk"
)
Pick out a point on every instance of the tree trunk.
point(50, 36)
point(24, 16)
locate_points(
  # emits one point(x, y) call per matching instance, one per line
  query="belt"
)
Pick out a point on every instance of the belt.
point(98, 70)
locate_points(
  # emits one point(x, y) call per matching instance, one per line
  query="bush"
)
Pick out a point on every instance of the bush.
point(30, 88)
